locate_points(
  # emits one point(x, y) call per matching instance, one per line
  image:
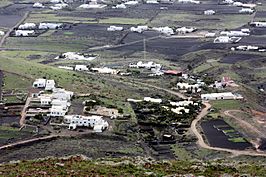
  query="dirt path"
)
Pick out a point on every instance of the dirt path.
point(1, 83)
point(202, 143)
point(23, 113)
point(27, 141)
point(244, 123)
point(11, 29)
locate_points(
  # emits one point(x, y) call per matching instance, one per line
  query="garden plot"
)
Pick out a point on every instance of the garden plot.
point(220, 134)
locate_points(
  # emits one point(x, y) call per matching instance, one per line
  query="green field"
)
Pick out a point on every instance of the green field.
point(226, 104)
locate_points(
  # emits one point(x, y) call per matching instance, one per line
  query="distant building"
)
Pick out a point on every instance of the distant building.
point(139, 29)
point(184, 30)
point(38, 5)
point(50, 25)
point(39, 83)
point(81, 68)
point(115, 28)
point(96, 122)
point(27, 26)
point(153, 100)
point(221, 96)
point(24, 33)
point(209, 12)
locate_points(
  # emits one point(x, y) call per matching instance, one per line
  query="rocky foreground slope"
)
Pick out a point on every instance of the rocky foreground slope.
point(81, 166)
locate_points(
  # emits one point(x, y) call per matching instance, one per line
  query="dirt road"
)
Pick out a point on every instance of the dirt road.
point(202, 143)
point(1, 83)
point(244, 123)
point(11, 29)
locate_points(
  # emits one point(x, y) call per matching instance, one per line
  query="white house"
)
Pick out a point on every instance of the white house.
point(62, 94)
point(245, 48)
point(209, 12)
point(50, 25)
point(227, 39)
point(119, 6)
point(139, 29)
point(45, 100)
point(59, 6)
point(188, 87)
point(38, 5)
point(228, 2)
point(115, 28)
point(92, 6)
point(24, 33)
point(152, 2)
point(246, 11)
point(153, 100)
point(63, 103)
point(180, 110)
point(181, 103)
point(210, 34)
point(147, 65)
point(75, 56)
point(105, 70)
point(96, 122)
point(50, 85)
point(234, 33)
point(81, 68)
point(189, 1)
point(184, 30)
point(258, 24)
point(134, 100)
point(2, 33)
point(165, 30)
point(131, 3)
point(221, 96)
point(27, 26)
point(66, 67)
point(39, 83)
point(57, 111)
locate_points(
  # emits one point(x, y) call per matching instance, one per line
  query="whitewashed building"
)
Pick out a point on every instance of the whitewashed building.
point(2, 33)
point(153, 100)
point(24, 33)
point(209, 12)
point(75, 56)
point(184, 30)
point(81, 68)
point(27, 26)
point(180, 110)
point(164, 30)
point(115, 28)
point(221, 96)
point(50, 25)
point(105, 70)
point(50, 85)
point(96, 122)
point(38, 5)
point(246, 11)
point(139, 29)
point(62, 94)
point(39, 83)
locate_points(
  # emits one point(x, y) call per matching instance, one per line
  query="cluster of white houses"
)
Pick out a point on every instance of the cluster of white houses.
point(75, 56)
point(55, 102)
point(28, 29)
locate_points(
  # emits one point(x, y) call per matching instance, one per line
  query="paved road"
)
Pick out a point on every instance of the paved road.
point(202, 143)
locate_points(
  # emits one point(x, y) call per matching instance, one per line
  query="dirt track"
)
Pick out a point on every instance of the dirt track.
point(202, 143)
point(11, 29)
